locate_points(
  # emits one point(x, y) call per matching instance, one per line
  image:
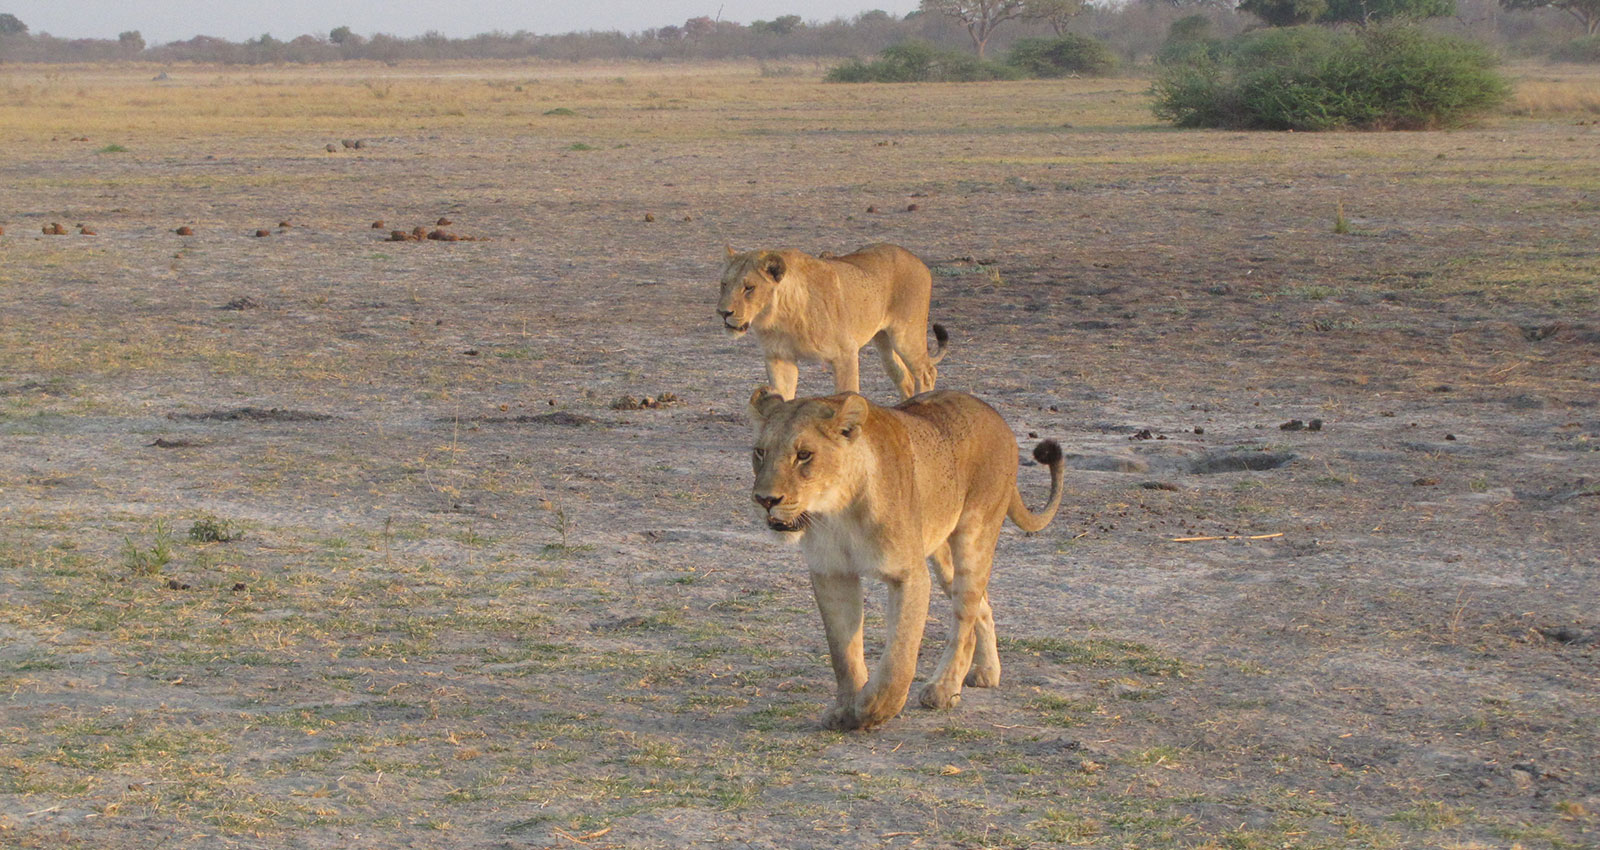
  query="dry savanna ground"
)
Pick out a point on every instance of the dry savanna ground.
point(317, 540)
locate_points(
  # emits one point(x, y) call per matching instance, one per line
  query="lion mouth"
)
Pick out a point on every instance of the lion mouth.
point(736, 330)
point(800, 522)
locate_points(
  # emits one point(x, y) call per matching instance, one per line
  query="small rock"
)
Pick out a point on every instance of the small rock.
point(1425, 482)
point(285, 224)
point(471, 352)
point(1292, 425)
point(1450, 437)
point(1160, 485)
point(1221, 289)
point(86, 230)
point(1142, 434)
point(174, 584)
point(243, 302)
point(1314, 425)
point(348, 143)
point(185, 230)
point(1199, 430)
point(444, 222)
point(872, 209)
point(331, 148)
point(911, 207)
point(238, 586)
point(649, 217)
point(260, 233)
point(377, 225)
point(54, 228)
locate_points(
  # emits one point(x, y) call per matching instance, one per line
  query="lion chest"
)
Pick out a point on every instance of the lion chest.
point(843, 546)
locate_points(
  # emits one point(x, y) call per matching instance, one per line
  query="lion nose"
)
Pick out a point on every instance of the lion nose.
point(768, 502)
point(725, 313)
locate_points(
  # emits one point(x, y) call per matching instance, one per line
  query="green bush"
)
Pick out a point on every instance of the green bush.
point(1579, 50)
point(915, 61)
point(1068, 55)
point(1312, 78)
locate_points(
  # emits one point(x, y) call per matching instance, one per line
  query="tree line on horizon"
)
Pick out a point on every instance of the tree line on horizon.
point(1135, 30)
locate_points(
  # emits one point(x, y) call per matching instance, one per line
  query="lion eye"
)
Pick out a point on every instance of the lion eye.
point(802, 456)
point(749, 289)
point(760, 453)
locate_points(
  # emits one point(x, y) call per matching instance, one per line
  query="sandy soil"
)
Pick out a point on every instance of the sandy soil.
point(477, 603)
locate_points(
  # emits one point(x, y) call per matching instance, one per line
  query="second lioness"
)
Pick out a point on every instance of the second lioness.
point(826, 308)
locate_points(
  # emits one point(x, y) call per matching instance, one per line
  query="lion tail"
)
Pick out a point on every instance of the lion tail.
point(1049, 454)
point(942, 337)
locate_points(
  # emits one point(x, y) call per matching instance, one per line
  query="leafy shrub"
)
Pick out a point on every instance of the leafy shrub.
point(1579, 50)
point(915, 61)
point(1312, 78)
point(1060, 57)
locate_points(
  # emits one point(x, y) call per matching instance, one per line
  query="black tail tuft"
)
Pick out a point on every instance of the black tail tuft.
point(941, 335)
point(1047, 453)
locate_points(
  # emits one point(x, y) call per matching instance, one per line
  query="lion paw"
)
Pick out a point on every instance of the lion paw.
point(933, 697)
point(841, 718)
point(983, 678)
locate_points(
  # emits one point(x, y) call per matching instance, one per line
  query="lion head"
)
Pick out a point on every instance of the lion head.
point(749, 281)
point(806, 456)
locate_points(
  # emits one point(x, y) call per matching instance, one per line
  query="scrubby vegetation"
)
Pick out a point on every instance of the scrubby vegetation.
point(1069, 55)
point(1313, 78)
point(1579, 50)
point(917, 61)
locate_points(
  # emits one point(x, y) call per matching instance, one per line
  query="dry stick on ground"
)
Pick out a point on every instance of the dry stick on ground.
point(1228, 537)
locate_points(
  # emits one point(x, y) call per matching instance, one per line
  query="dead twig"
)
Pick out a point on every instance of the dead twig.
point(1228, 537)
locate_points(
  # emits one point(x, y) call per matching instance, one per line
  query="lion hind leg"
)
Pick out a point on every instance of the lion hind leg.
point(895, 365)
point(912, 351)
point(969, 599)
point(985, 671)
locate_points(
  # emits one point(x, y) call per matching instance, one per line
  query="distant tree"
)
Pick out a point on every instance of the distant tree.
point(1056, 13)
point(1586, 11)
point(131, 41)
point(785, 24)
point(1371, 11)
point(1190, 28)
point(699, 27)
point(340, 35)
point(10, 25)
point(980, 17)
point(1285, 13)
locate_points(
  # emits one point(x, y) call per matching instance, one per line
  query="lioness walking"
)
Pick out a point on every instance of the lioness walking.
point(825, 309)
point(874, 491)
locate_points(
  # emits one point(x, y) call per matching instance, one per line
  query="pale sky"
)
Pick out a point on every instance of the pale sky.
point(161, 21)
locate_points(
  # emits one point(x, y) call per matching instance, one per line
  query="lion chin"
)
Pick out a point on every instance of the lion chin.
point(736, 331)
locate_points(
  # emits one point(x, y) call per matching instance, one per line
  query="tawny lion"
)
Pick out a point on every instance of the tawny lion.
point(825, 309)
point(874, 491)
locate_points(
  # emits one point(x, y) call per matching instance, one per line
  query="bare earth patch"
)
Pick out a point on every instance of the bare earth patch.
point(380, 558)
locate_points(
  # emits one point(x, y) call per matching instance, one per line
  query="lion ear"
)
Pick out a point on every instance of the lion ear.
point(774, 266)
point(850, 416)
point(728, 251)
point(762, 403)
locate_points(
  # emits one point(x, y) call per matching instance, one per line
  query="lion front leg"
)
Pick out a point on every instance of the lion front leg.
point(839, 600)
point(784, 376)
point(886, 691)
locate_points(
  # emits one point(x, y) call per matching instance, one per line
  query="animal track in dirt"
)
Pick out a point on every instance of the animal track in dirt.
point(252, 414)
